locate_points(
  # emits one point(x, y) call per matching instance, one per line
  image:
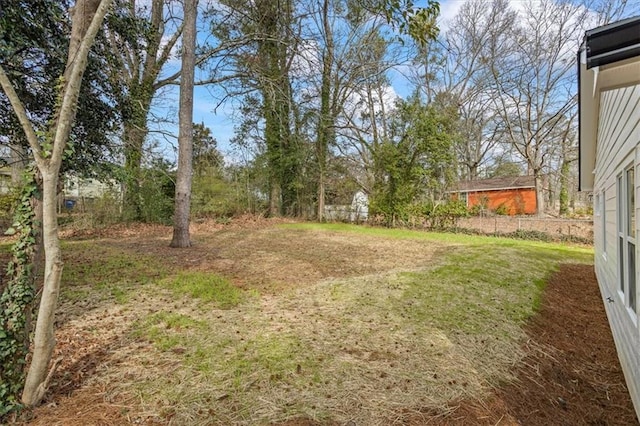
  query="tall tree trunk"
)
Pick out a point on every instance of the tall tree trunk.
point(321, 193)
point(137, 68)
point(44, 340)
point(539, 186)
point(181, 236)
point(274, 197)
point(133, 143)
point(282, 147)
point(134, 136)
point(87, 17)
point(290, 149)
point(274, 153)
point(325, 123)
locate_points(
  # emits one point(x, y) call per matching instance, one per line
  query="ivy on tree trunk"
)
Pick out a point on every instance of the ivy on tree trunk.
point(47, 151)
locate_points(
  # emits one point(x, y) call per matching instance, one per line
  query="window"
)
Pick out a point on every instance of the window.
point(603, 214)
point(621, 233)
point(626, 218)
point(631, 236)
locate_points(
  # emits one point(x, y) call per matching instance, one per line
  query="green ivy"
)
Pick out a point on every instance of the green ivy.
point(16, 301)
point(444, 215)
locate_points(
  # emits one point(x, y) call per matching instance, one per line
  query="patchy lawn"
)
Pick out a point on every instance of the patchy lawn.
point(296, 323)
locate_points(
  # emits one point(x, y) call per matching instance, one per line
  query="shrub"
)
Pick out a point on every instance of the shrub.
point(224, 193)
point(8, 202)
point(475, 210)
point(441, 216)
point(502, 209)
point(157, 192)
point(529, 235)
point(104, 210)
point(213, 197)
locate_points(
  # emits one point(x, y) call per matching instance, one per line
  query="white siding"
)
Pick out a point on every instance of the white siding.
point(617, 147)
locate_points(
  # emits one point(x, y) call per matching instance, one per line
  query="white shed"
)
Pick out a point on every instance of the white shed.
point(609, 108)
point(359, 207)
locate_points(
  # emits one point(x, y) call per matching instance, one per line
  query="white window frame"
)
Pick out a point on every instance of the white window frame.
point(626, 231)
point(602, 212)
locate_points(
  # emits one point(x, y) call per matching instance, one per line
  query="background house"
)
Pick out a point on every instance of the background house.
point(357, 211)
point(5, 175)
point(609, 107)
point(79, 193)
point(513, 195)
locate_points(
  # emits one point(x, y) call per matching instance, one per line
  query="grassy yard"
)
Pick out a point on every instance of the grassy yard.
point(325, 322)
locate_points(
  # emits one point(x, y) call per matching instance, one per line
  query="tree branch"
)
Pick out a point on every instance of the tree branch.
point(72, 87)
point(20, 111)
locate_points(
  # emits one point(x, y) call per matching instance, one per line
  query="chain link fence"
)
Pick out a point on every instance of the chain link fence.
point(556, 228)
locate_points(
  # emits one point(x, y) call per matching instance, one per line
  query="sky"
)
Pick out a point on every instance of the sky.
point(220, 118)
point(221, 121)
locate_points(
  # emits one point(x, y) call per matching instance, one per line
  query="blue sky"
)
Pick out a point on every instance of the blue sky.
point(221, 121)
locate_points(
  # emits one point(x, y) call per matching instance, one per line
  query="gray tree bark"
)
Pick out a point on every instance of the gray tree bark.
point(326, 121)
point(87, 17)
point(181, 236)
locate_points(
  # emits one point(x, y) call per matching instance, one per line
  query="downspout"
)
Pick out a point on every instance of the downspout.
point(581, 54)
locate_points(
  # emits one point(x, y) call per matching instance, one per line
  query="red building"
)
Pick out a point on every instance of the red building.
point(511, 195)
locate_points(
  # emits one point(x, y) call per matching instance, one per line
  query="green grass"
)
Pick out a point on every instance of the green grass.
point(354, 348)
point(223, 364)
point(168, 330)
point(100, 272)
point(479, 288)
point(445, 237)
point(207, 287)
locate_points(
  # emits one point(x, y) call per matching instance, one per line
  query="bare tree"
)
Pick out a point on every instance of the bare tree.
point(535, 84)
point(511, 74)
point(343, 37)
point(185, 138)
point(465, 77)
point(87, 17)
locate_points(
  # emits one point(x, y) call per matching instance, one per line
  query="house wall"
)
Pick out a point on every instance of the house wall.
point(517, 201)
point(617, 149)
point(76, 188)
point(5, 181)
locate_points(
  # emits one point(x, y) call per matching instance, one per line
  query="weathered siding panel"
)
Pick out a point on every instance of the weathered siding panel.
point(617, 148)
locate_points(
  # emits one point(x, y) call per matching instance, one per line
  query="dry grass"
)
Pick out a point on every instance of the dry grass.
point(348, 326)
